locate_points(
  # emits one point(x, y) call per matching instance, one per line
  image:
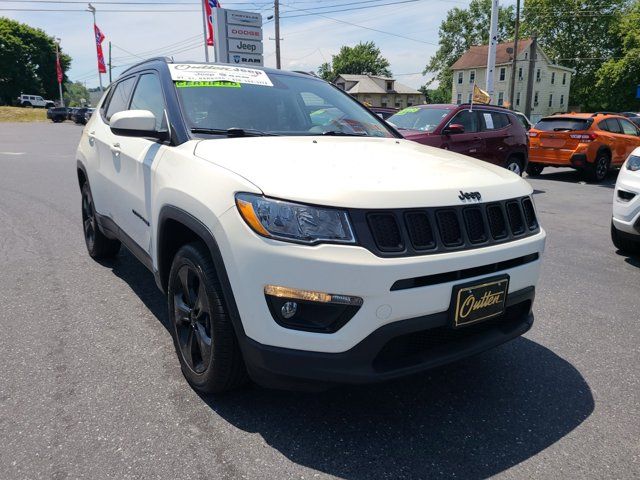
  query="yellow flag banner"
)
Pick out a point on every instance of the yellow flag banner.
point(480, 96)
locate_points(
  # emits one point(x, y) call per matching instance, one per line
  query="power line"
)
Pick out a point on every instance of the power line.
point(351, 8)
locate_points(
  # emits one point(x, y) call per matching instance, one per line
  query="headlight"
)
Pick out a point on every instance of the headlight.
point(293, 221)
point(633, 163)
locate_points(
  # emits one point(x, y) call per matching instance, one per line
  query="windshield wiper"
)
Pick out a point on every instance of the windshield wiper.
point(233, 132)
point(343, 134)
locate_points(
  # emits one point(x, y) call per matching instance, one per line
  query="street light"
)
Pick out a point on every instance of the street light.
point(92, 9)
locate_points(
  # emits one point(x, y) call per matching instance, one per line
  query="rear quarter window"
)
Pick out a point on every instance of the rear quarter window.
point(560, 124)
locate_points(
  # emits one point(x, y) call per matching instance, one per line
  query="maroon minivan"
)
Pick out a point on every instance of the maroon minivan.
point(485, 132)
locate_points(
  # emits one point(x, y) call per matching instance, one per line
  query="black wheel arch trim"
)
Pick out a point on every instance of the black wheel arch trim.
point(170, 212)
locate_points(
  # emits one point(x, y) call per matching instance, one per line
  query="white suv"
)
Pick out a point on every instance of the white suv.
point(298, 237)
point(34, 101)
point(625, 224)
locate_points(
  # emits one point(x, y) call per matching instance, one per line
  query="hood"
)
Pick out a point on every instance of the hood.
point(359, 172)
point(410, 134)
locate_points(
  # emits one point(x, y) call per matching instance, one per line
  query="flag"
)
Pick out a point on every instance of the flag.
point(102, 68)
point(58, 67)
point(480, 96)
point(209, 5)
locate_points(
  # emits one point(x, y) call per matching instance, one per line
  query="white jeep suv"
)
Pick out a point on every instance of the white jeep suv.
point(299, 239)
point(34, 101)
point(625, 224)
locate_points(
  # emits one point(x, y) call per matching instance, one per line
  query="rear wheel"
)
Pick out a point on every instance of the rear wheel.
point(26, 104)
point(534, 169)
point(98, 245)
point(624, 244)
point(203, 335)
point(598, 171)
point(514, 165)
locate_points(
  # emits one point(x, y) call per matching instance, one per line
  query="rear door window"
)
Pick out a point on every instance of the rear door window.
point(627, 127)
point(468, 119)
point(563, 124)
point(612, 125)
point(119, 100)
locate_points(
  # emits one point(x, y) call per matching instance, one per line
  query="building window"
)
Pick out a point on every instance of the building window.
point(564, 78)
point(500, 98)
point(503, 74)
point(561, 99)
point(535, 99)
point(460, 77)
point(470, 98)
point(341, 86)
point(459, 99)
point(389, 86)
point(538, 74)
point(472, 76)
point(520, 77)
point(526, 55)
point(550, 99)
point(553, 78)
point(517, 99)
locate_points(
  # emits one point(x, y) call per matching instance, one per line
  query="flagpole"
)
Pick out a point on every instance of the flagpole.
point(58, 66)
point(92, 9)
point(204, 31)
point(473, 92)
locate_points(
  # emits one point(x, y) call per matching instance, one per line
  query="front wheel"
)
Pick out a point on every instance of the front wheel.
point(98, 245)
point(203, 334)
point(624, 244)
point(514, 165)
point(534, 169)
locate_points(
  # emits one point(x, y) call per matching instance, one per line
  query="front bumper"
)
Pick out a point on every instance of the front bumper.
point(626, 213)
point(252, 262)
point(398, 349)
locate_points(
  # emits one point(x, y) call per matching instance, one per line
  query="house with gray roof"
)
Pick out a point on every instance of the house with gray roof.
point(379, 91)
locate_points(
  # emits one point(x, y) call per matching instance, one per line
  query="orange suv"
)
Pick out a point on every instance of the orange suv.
point(589, 142)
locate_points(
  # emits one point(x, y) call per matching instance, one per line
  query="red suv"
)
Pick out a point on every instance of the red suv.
point(485, 132)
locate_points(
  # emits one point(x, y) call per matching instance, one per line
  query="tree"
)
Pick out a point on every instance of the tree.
point(76, 94)
point(28, 62)
point(618, 78)
point(576, 34)
point(363, 59)
point(459, 31)
point(442, 94)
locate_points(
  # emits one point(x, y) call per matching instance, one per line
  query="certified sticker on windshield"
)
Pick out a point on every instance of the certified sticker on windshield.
point(203, 72)
point(219, 84)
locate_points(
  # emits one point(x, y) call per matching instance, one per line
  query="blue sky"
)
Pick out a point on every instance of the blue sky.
point(308, 40)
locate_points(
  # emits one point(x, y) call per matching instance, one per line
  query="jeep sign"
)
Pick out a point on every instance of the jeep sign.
point(244, 46)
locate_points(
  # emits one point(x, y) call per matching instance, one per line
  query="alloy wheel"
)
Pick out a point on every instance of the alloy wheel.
point(601, 168)
point(88, 220)
point(192, 319)
point(515, 168)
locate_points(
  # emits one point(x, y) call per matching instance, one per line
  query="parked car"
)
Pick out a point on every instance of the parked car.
point(625, 224)
point(523, 119)
point(383, 112)
point(57, 114)
point(630, 114)
point(589, 142)
point(34, 101)
point(71, 112)
point(87, 114)
point(485, 132)
point(78, 116)
point(301, 252)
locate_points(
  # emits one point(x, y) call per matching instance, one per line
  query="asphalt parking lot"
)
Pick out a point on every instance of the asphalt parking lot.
point(90, 386)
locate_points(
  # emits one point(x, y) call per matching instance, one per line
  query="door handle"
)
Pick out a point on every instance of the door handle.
point(115, 148)
point(92, 134)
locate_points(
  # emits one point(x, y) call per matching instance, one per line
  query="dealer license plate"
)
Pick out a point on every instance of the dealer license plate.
point(479, 301)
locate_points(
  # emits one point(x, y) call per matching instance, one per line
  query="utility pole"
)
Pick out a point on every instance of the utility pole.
point(532, 67)
point(110, 80)
point(92, 9)
point(493, 44)
point(276, 8)
point(514, 63)
point(58, 68)
point(204, 31)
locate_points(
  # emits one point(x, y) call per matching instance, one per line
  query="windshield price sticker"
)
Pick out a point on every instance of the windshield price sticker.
point(193, 72)
point(408, 110)
point(222, 84)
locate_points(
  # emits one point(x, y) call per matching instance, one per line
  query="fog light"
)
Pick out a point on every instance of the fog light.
point(309, 310)
point(289, 309)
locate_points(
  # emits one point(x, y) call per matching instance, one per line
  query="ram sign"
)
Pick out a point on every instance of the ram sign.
point(239, 37)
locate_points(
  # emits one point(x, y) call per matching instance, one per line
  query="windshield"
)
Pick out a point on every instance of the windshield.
point(414, 118)
point(291, 106)
point(558, 124)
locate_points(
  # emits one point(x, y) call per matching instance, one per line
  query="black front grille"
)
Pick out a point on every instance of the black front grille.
point(408, 232)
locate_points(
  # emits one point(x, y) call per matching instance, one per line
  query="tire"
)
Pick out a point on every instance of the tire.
point(27, 104)
point(203, 335)
point(626, 245)
point(98, 245)
point(534, 169)
point(600, 168)
point(514, 165)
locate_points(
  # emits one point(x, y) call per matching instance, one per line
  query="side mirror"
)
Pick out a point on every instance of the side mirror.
point(135, 123)
point(454, 128)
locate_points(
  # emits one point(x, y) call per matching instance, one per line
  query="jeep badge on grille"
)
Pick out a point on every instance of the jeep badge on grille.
point(469, 196)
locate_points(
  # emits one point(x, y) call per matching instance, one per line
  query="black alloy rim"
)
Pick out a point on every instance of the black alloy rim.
point(192, 319)
point(88, 220)
point(601, 168)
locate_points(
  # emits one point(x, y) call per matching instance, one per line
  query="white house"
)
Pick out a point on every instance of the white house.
point(551, 84)
point(379, 91)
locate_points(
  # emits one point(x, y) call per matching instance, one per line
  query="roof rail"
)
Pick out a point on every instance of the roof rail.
point(311, 74)
point(162, 59)
point(595, 114)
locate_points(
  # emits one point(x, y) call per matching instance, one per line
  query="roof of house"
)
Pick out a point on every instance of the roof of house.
point(366, 84)
point(476, 56)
